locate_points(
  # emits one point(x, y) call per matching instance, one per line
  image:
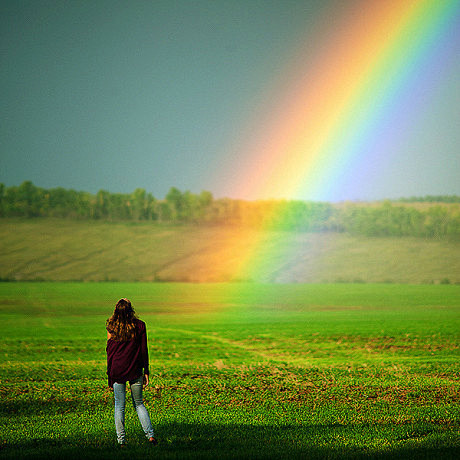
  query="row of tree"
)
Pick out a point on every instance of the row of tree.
point(376, 219)
point(431, 199)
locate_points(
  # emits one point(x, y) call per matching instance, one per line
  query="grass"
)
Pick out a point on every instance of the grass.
point(65, 250)
point(237, 370)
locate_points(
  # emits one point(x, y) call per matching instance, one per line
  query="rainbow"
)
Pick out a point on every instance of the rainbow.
point(332, 114)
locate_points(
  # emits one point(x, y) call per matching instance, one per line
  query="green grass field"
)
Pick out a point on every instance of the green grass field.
point(66, 250)
point(237, 371)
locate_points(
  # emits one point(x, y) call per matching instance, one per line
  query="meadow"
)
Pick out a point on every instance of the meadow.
point(66, 250)
point(237, 370)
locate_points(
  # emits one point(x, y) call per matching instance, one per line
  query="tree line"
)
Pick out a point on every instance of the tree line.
point(431, 199)
point(439, 219)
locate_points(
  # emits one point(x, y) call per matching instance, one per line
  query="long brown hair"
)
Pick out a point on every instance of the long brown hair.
point(121, 324)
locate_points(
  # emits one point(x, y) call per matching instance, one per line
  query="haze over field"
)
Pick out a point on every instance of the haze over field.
point(301, 99)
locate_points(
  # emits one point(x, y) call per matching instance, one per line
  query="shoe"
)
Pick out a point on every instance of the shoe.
point(122, 445)
point(153, 441)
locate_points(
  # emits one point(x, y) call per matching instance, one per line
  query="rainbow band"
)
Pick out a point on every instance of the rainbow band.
point(323, 118)
point(324, 122)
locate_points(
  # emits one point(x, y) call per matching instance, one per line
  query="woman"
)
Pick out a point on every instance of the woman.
point(128, 361)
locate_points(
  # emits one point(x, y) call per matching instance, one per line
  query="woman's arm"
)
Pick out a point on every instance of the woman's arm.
point(109, 360)
point(144, 351)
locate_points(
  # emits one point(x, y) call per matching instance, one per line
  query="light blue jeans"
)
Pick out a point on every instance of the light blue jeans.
point(119, 393)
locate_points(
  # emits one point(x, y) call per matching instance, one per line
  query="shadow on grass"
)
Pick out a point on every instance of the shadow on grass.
point(235, 441)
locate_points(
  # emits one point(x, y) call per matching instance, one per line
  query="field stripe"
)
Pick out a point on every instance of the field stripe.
point(242, 346)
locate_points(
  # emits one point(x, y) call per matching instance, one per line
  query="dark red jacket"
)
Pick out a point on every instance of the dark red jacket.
point(128, 360)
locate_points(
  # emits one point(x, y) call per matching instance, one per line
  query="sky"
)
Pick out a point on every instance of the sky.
point(118, 95)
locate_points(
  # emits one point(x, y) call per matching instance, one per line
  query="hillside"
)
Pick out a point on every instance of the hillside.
point(60, 249)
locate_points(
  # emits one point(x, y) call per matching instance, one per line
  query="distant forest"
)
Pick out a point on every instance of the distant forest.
point(429, 217)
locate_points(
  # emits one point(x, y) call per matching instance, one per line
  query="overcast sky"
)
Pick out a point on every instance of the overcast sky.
point(117, 95)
